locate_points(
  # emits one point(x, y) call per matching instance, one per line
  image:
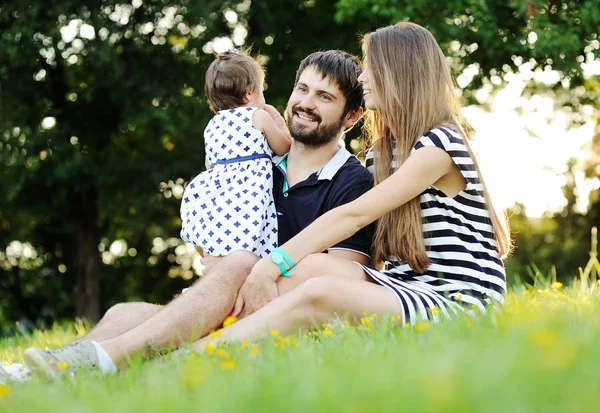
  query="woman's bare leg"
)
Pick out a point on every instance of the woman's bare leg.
point(345, 291)
point(316, 265)
point(319, 265)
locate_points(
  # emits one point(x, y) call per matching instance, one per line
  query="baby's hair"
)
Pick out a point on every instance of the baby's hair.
point(230, 76)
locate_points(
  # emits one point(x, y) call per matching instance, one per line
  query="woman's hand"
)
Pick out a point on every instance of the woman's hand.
point(259, 288)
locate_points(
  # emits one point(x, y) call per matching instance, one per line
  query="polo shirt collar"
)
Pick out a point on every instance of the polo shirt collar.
point(328, 171)
point(334, 165)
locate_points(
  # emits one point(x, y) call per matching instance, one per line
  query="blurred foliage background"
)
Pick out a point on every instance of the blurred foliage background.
point(102, 113)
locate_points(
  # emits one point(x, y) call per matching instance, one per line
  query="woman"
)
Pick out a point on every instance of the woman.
point(438, 234)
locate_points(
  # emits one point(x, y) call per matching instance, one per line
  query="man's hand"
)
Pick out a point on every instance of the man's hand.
point(259, 288)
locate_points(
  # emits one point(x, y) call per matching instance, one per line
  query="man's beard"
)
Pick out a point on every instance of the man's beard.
point(316, 137)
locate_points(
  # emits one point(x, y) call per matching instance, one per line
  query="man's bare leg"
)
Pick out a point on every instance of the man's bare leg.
point(190, 316)
point(121, 318)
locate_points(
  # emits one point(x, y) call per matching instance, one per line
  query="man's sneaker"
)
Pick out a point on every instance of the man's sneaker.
point(14, 372)
point(50, 364)
point(4, 376)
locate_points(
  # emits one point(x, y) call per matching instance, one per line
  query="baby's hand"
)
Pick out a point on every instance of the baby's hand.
point(275, 129)
point(270, 109)
point(277, 118)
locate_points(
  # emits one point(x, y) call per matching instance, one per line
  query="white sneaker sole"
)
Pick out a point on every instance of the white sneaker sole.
point(37, 363)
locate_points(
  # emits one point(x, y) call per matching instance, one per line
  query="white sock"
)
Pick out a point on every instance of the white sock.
point(104, 361)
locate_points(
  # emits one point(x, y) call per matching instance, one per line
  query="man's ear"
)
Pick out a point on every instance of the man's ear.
point(351, 118)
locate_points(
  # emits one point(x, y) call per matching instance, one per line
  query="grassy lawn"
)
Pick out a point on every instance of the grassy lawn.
point(539, 353)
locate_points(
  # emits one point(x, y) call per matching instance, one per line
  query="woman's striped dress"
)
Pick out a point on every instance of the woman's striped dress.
point(465, 271)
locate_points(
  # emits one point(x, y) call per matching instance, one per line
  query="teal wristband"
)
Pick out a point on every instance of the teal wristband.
point(281, 258)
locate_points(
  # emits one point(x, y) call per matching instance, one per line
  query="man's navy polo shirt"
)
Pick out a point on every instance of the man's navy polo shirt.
point(342, 180)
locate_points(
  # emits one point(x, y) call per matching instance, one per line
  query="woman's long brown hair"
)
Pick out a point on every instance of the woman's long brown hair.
point(412, 84)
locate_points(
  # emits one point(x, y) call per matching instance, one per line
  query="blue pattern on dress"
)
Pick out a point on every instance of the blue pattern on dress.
point(230, 206)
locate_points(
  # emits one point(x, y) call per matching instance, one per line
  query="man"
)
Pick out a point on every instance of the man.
point(314, 177)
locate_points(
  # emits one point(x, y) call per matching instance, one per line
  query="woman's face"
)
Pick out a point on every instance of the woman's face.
point(364, 79)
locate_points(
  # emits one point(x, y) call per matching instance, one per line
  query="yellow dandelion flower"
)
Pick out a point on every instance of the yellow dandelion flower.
point(213, 335)
point(275, 333)
point(4, 391)
point(62, 366)
point(434, 310)
point(557, 285)
point(421, 327)
point(193, 373)
point(227, 365)
point(459, 297)
point(560, 360)
point(253, 350)
point(244, 343)
point(222, 353)
point(229, 321)
point(210, 348)
point(365, 321)
point(220, 333)
point(327, 333)
point(346, 324)
point(543, 337)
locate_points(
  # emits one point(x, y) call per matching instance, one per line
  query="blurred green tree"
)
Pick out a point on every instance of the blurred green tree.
point(102, 116)
point(99, 105)
point(102, 112)
point(496, 38)
point(492, 40)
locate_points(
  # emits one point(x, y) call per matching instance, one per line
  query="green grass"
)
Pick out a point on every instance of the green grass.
point(539, 353)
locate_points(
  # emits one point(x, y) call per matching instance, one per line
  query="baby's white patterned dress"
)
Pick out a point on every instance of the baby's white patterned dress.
point(230, 206)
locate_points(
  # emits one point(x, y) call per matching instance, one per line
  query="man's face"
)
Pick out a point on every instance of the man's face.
point(315, 109)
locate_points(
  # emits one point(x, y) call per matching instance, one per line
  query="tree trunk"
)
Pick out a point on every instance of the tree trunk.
point(87, 258)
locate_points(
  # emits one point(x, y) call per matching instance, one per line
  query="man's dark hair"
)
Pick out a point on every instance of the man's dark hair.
point(341, 68)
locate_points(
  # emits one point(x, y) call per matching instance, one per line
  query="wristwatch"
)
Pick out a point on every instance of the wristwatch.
point(280, 258)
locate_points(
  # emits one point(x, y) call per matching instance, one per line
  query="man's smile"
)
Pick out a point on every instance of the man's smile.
point(306, 115)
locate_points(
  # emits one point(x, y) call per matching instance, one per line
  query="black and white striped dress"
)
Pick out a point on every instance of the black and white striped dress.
point(466, 272)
